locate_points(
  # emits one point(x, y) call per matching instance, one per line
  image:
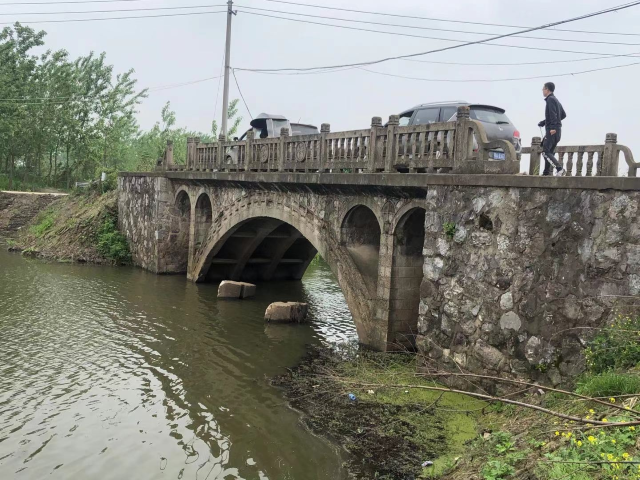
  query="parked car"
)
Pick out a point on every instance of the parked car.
point(267, 125)
point(495, 121)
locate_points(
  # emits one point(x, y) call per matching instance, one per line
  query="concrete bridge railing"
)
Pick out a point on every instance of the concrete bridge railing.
point(460, 146)
point(585, 160)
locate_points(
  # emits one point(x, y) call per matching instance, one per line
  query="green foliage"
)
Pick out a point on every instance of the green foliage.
point(111, 243)
point(503, 466)
point(616, 347)
point(609, 384)
point(449, 229)
point(600, 454)
point(45, 222)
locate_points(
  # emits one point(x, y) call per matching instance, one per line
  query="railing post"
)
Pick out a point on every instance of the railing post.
point(394, 121)
point(190, 160)
point(325, 128)
point(610, 157)
point(376, 123)
point(248, 151)
point(220, 155)
point(534, 157)
point(194, 164)
point(282, 148)
point(461, 147)
point(168, 154)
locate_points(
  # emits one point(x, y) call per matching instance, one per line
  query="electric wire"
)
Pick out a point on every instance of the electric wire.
point(491, 80)
point(444, 20)
point(77, 20)
point(433, 29)
point(240, 91)
point(460, 42)
point(452, 47)
point(117, 10)
point(66, 2)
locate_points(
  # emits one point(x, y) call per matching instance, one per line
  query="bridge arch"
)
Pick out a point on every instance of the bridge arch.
point(406, 277)
point(180, 225)
point(360, 234)
point(203, 218)
point(266, 241)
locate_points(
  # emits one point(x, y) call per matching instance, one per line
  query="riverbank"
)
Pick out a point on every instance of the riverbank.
point(75, 228)
point(394, 426)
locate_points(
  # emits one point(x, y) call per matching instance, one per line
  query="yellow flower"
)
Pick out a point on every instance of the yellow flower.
point(557, 433)
point(605, 420)
point(591, 439)
point(569, 435)
point(579, 443)
point(612, 400)
point(632, 429)
point(592, 411)
point(609, 456)
point(613, 441)
point(625, 455)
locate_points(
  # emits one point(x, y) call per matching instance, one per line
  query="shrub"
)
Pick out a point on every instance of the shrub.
point(111, 243)
point(616, 347)
point(609, 384)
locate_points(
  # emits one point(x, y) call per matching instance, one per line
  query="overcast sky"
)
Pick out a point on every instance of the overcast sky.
point(173, 50)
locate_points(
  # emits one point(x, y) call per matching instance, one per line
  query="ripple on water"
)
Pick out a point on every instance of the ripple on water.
point(116, 373)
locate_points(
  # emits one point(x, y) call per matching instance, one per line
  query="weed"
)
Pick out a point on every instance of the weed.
point(504, 465)
point(46, 221)
point(609, 384)
point(449, 229)
point(616, 347)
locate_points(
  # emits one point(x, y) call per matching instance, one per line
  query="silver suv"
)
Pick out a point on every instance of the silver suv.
point(495, 121)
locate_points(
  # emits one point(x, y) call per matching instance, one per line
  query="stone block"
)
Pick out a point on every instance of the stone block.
point(229, 289)
point(286, 312)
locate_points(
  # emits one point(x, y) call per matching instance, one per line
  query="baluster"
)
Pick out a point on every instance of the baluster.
point(433, 146)
point(561, 158)
point(570, 164)
point(579, 165)
point(412, 159)
point(599, 164)
point(422, 142)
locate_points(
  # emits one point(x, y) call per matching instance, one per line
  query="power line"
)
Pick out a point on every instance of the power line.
point(68, 20)
point(189, 7)
point(460, 42)
point(544, 62)
point(466, 44)
point(433, 29)
point(431, 19)
point(482, 80)
point(58, 3)
point(242, 96)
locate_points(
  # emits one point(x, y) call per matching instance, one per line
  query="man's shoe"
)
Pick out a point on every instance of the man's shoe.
point(546, 173)
point(561, 173)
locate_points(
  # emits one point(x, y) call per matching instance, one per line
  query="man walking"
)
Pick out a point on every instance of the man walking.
point(553, 116)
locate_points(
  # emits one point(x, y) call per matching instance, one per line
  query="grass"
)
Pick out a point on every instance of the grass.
point(111, 243)
point(45, 221)
point(609, 384)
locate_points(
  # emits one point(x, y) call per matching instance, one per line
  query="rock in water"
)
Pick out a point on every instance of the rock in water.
point(286, 312)
point(229, 289)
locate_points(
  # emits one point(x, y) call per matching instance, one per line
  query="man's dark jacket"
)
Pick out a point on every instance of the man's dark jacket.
point(554, 113)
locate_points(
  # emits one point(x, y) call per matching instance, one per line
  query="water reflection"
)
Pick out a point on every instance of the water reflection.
point(116, 373)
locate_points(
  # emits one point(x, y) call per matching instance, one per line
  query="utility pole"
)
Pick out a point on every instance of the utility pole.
point(227, 69)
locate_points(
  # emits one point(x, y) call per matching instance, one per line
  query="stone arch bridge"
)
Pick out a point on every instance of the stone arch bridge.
point(433, 244)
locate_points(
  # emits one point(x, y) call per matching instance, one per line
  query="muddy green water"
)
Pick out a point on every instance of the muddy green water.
point(115, 373)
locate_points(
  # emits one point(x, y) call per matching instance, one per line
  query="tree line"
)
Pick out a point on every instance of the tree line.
point(64, 120)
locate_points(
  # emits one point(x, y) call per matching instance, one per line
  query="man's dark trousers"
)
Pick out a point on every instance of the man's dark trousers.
point(549, 149)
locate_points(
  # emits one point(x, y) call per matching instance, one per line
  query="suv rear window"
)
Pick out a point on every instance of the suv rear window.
point(489, 115)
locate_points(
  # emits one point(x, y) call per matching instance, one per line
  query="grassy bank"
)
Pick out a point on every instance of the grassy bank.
point(77, 228)
point(393, 420)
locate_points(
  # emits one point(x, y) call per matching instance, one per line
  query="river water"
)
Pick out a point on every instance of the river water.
point(115, 373)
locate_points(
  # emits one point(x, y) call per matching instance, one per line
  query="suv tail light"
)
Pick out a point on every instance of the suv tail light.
point(516, 134)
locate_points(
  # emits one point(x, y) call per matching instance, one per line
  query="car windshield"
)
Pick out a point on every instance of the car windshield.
point(278, 124)
point(489, 115)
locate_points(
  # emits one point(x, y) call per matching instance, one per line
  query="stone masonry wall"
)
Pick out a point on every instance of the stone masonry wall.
point(515, 278)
